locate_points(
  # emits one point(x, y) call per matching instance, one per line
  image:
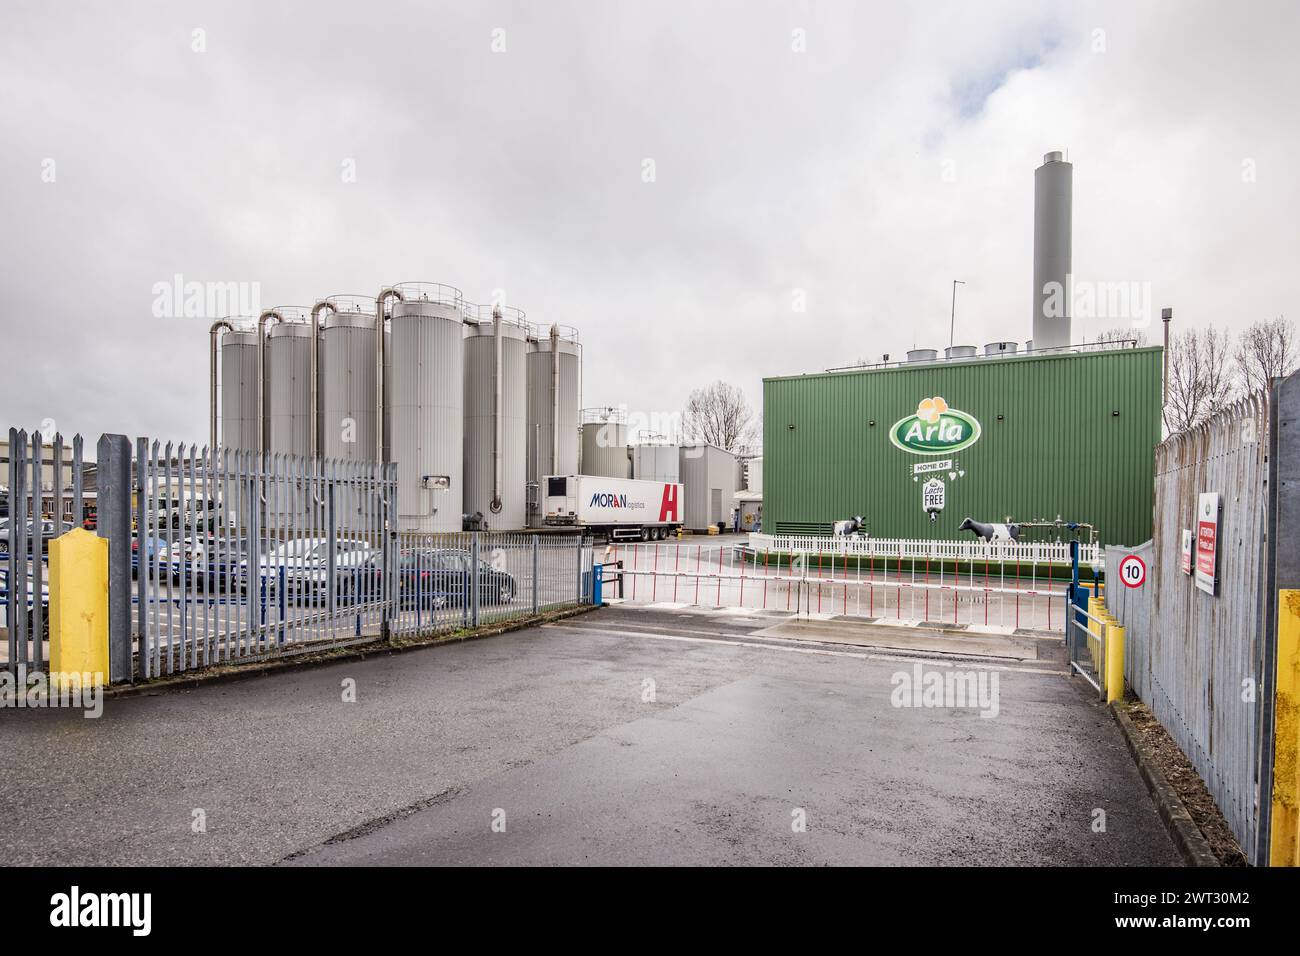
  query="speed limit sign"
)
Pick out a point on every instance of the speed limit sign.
point(1133, 571)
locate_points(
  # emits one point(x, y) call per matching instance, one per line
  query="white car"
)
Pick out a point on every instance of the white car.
point(306, 562)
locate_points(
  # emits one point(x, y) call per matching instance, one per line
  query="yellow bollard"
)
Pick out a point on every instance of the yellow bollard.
point(79, 606)
point(1114, 661)
point(1284, 839)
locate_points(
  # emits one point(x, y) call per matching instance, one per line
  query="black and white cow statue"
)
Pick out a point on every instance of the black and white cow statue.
point(852, 528)
point(991, 532)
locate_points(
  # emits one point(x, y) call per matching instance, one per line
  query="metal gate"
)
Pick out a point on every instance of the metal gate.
point(239, 556)
point(913, 589)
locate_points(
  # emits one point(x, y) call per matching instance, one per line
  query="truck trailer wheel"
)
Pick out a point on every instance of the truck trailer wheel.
point(645, 534)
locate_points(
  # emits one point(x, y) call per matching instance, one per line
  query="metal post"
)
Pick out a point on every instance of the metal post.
point(1165, 316)
point(536, 564)
point(333, 538)
point(952, 320)
point(581, 590)
point(473, 580)
point(114, 523)
point(15, 521)
point(1282, 561)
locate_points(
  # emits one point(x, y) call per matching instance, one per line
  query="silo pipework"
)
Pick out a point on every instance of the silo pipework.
point(214, 334)
point(314, 449)
point(384, 296)
point(555, 395)
point(261, 375)
point(1053, 211)
point(496, 415)
point(495, 504)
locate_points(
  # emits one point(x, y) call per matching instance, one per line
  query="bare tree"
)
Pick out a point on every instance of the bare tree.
point(718, 415)
point(1265, 351)
point(1200, 377)
point(1121, 334)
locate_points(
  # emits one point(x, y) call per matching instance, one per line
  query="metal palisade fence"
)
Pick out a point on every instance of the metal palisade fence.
point(225, 556)
point(239, 556)
point(44, 495)
point(249, 556)
point(1202, 661)
point(516, 574)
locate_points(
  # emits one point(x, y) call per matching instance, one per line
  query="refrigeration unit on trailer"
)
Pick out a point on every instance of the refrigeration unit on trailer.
point(617, 507)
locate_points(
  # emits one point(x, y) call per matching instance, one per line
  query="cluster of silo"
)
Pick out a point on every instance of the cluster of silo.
point(472, 403)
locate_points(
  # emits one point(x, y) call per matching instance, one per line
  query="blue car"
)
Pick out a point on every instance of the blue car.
point(31, 603)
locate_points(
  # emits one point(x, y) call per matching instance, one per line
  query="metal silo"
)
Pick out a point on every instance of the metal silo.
point(239, 424)
point(554, 394)
point(427, 407)
point(288, 385)
point(495, 474)
point(348, 380)
point(604, 443)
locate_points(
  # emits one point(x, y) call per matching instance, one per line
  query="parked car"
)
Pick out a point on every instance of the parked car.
point(31, 603)
point(438, 577)
point(153, 546)
point(48, 529)
point(211, 562)
point(304, 563)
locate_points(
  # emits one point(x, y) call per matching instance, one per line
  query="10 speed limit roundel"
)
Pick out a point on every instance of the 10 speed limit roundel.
point(1133, 571)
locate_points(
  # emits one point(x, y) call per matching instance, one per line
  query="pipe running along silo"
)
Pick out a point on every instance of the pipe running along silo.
point(604, 443)
point(554, 395)
point(496, 418)
point(240, 428)
point(427, 408)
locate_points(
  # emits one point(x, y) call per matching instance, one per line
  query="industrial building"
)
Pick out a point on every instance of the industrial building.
point(1058, 431)
point(708, 477)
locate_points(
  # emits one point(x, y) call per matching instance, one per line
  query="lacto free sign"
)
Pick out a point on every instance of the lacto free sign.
point(1207, 540)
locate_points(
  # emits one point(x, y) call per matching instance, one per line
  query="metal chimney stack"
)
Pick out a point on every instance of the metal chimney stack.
point(1053, 202)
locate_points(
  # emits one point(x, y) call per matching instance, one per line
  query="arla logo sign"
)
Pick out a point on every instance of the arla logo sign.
point(935, 429)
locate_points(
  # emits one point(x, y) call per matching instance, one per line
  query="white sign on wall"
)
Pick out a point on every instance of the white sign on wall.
point(933, 494)
point(926, 467)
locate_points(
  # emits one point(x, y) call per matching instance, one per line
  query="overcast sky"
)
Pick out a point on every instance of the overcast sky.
point(852, 157)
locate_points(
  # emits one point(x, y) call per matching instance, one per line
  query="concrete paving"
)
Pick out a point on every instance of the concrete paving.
point(548, 731)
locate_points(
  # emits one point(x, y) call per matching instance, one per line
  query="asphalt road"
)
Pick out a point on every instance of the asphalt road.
point(546, 730)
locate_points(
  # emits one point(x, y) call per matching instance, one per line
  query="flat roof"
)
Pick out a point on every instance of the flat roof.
point(1053, 356)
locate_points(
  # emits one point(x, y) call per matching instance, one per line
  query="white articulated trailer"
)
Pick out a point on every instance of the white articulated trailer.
point(623, 508)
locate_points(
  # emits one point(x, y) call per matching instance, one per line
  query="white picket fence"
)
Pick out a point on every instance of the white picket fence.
point(1024, 552)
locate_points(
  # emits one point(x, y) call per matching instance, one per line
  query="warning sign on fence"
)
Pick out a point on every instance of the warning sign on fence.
point(1207, 540)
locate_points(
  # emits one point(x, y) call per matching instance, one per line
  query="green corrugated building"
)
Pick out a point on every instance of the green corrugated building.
point(1021, 438)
